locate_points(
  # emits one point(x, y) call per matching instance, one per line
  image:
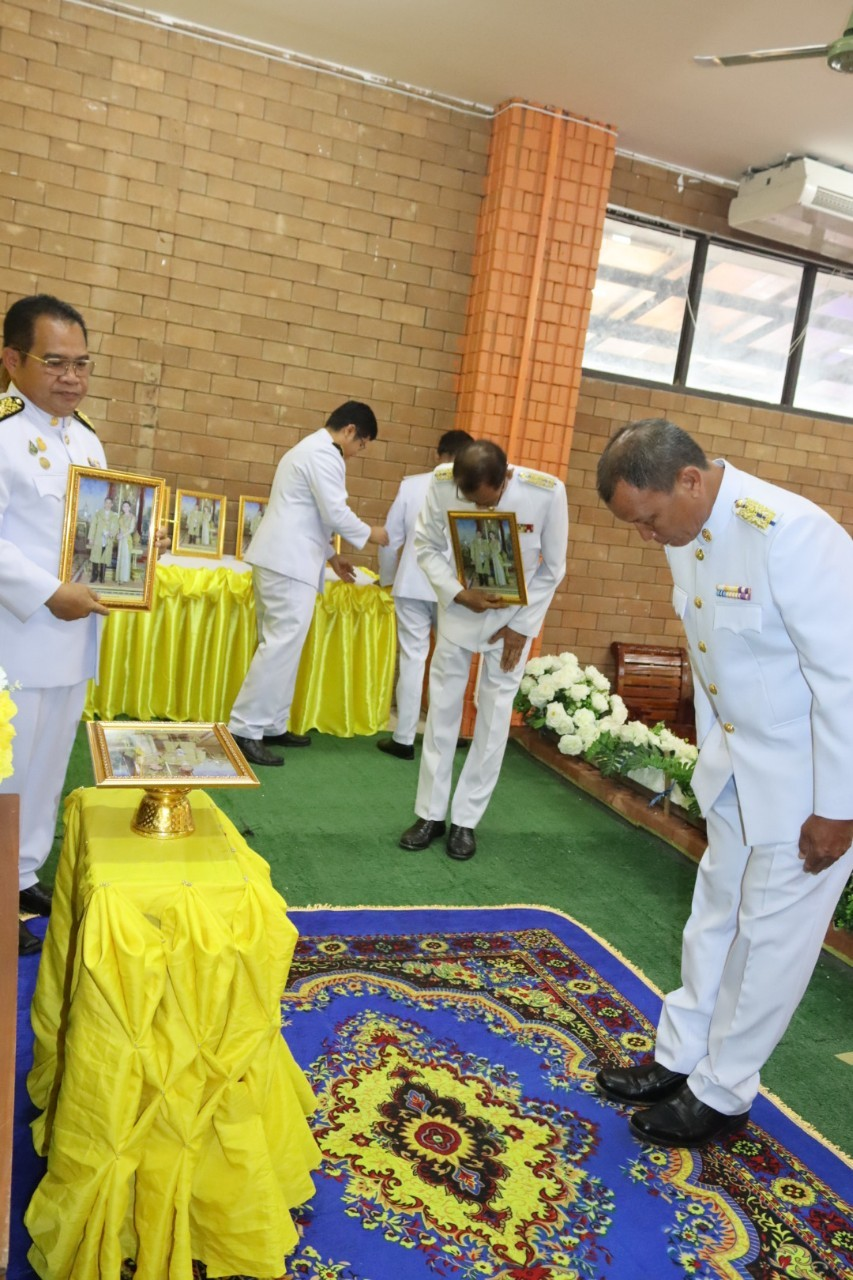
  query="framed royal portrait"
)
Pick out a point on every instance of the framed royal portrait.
point(109, 537)
point(135, 753)
point(249, 515)
point(199, 524)
point(487, 553)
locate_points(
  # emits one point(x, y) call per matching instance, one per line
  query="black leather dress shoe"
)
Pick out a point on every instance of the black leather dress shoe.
point(649, 1083)
point(461, 843)
point(37, 900)
point(287, 739)
point(255, 751)
point(421, 834)
point(28, 943)
point(402, 750)
point(683, 1121)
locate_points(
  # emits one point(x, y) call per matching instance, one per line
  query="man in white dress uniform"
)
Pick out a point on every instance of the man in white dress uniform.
point(472, 621)
point(288, 554)
point(414, 599)
point(764, 587)
point(48, 629)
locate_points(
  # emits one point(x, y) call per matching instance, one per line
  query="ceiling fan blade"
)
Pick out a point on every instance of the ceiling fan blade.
point(763, 55)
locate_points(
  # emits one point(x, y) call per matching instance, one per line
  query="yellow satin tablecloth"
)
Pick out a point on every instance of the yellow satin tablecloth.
point(186, 659)
point(172, 1112)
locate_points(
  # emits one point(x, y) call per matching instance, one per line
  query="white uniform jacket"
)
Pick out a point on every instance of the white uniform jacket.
point(541, 511)
point(765, 593)
point(308, 503)
point(36, 450)
point(408, 578)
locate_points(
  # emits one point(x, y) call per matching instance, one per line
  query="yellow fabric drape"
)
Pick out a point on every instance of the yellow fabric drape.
point(186, 659)
point(172, 1112)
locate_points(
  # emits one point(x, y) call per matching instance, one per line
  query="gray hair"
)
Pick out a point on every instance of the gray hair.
point(647, 455)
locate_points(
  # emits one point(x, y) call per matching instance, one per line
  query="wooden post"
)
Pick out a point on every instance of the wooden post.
point(8, 1005)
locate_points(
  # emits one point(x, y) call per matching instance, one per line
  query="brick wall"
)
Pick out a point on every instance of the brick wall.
point(251, 243)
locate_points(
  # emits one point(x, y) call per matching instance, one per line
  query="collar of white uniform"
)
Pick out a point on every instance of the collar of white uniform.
point(721, 512)
point(47, 420)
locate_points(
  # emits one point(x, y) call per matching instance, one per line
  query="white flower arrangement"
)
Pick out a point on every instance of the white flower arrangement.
point(574, 704)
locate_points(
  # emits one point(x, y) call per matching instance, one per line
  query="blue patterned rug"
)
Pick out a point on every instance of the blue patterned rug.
point(452, 1053)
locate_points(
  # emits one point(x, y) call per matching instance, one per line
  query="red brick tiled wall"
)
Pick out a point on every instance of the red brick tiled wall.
point(251, 243)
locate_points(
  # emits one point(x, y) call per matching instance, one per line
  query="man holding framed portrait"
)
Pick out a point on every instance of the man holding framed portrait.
point(48, 632)
point(517, 572)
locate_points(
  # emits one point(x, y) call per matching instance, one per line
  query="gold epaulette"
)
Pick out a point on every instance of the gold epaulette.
point(539, 478)
point(444, 473)
point(755, 513)
point(9, 406)
point(81, 417)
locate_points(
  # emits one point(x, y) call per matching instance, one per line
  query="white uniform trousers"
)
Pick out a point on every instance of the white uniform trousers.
point(497, 689)
point(45, 725)
point(750, 946)
point(284, 608)
point(415, 624)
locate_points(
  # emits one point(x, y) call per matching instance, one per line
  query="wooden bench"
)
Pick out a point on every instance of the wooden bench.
point(656, 684)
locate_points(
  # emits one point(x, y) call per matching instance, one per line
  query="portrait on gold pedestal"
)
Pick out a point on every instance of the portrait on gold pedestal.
point(167, 761)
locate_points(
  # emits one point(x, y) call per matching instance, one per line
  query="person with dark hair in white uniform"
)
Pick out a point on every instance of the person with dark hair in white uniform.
point(414, 599)
point(763, 584)
point(48, 629)
point(477, 621)
point(288, 554)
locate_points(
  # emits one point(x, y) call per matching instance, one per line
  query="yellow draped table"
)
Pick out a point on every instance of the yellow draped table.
point(172, 1112)
point(186, 659)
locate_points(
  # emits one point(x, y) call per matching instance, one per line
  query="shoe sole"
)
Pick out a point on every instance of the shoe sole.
point(460, 857)
point(735, 1123)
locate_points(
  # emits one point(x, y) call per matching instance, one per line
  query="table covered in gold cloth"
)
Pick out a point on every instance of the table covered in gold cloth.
point(172, 1112)
point(186, 659)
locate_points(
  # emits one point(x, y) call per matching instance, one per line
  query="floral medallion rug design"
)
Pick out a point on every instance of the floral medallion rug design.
point(452, 1054)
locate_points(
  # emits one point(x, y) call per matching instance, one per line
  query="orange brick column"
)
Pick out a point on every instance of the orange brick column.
point(538, 242)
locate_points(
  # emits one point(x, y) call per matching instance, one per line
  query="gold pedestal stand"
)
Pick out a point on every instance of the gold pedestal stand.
point(164, 813)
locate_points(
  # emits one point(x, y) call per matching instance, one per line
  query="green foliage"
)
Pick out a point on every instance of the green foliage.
point(612, 756)
point(843, 918)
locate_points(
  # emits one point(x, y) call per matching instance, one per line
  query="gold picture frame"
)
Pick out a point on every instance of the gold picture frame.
point(487, 553)
point(109, 534)
point(249, 515)
point(155, 753)
point(199, 524)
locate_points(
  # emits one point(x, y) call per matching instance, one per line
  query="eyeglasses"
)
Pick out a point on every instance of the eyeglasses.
point(56, 365)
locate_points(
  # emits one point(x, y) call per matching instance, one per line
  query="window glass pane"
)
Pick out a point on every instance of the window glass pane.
point(638, 302)
point(825, 382)
point(744, 324)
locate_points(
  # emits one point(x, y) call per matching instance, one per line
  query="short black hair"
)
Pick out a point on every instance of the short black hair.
point(480, 462)
point(648, 454)
point(451, 442)
point(354, 414)
point(19, 323)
